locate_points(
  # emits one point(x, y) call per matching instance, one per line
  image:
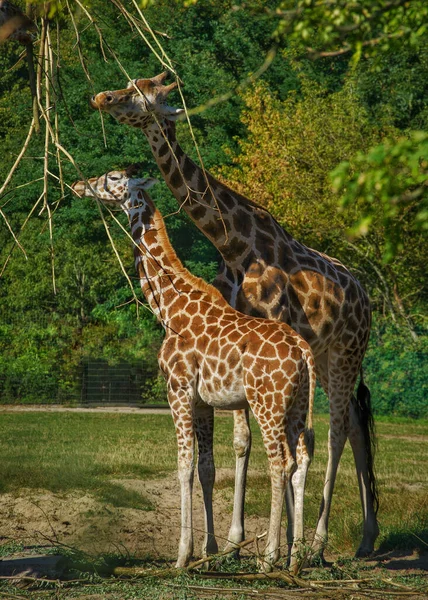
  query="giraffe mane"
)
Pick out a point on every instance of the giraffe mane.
point(196, 282)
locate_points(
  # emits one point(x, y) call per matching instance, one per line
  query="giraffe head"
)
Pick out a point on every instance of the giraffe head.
point(117, 188)
point(140, 103)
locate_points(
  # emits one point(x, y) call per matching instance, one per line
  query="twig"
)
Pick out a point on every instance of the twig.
point(47, 519)
point(270, 56)
point(12, 232)
point(125, 13)
point(274, 575)
point(78, 44)
point(33, 579)
point(117, 254)
point(239, 546)
point(13, 596)
point(46, 116)
point(54, 77)
point(347, 48)
point(139, 572)
point(29, 52)
point(32, 80)
point(97, 29)
point(16, 242)
point(10, 175)
point(166, 63)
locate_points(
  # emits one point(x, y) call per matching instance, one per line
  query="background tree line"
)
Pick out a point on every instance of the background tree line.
point(335, 148)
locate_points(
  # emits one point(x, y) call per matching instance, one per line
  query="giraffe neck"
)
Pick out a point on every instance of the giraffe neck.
point(163, 278)
point(221, 214)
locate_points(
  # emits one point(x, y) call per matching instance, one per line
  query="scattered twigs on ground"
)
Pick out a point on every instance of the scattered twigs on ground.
point(12, 596)
point(343, 588)
point(236, 547)
point(140, 572)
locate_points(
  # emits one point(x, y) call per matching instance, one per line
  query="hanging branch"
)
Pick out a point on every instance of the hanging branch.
point(29, 52)
point(10, 175)
point(45, 60)
point(16, 242)
point(54, 66)
point(106, 227)
point(167, 63)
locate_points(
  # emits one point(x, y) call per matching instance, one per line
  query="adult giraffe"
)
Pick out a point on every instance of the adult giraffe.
point(267, 273)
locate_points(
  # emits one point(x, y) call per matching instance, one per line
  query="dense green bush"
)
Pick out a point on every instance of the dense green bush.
point(396, 370)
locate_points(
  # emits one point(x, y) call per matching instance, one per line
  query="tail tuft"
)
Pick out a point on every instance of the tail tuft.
point(363, 407)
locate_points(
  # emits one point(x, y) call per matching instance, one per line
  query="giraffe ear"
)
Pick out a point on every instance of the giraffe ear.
point(149, 182)
point(159, 79)
point(134, 169)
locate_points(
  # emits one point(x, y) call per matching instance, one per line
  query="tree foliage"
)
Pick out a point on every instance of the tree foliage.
point(388, 183)
point(290, 148)
point(325, 29)
point(352, 113)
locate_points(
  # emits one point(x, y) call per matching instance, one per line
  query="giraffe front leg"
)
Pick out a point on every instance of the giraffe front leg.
point(242, 447)
point(181, 409)
point(204, 427)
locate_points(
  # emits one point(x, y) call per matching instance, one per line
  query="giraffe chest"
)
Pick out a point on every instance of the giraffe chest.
point(220, 386)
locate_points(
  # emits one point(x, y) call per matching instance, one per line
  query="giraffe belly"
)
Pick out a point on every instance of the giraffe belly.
point(226, 397)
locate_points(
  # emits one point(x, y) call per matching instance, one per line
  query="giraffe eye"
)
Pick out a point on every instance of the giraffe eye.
point(114, 177)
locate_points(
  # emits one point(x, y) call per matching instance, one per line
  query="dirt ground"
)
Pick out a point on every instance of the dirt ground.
point(80, 521)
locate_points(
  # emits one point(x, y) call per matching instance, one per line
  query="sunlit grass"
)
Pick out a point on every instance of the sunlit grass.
point(67, 451)
point(86, 451)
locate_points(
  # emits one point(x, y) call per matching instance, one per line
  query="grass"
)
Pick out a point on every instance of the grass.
point(87, 452)
point(60, 452)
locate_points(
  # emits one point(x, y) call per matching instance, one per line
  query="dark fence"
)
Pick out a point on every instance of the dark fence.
point(93, 382)
point(101, 383)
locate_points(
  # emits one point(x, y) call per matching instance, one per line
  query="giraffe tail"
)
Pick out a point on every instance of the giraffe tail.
point(363, 408)
point(309, 431)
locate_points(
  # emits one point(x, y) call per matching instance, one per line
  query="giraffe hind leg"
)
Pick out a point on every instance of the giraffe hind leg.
point(302, 441)
point(342, 373)
point(204, 428)
point(282, 465)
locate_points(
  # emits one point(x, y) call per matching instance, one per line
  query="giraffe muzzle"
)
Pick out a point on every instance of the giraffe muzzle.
point(105, 100)
point(78, 188)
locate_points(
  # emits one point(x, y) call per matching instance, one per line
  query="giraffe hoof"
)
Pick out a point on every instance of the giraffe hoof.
point(232, 550)
point(315, 558)
point(363, 552)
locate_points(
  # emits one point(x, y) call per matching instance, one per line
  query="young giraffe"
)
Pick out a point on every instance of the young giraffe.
point(215, 357)
point(267, 273)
